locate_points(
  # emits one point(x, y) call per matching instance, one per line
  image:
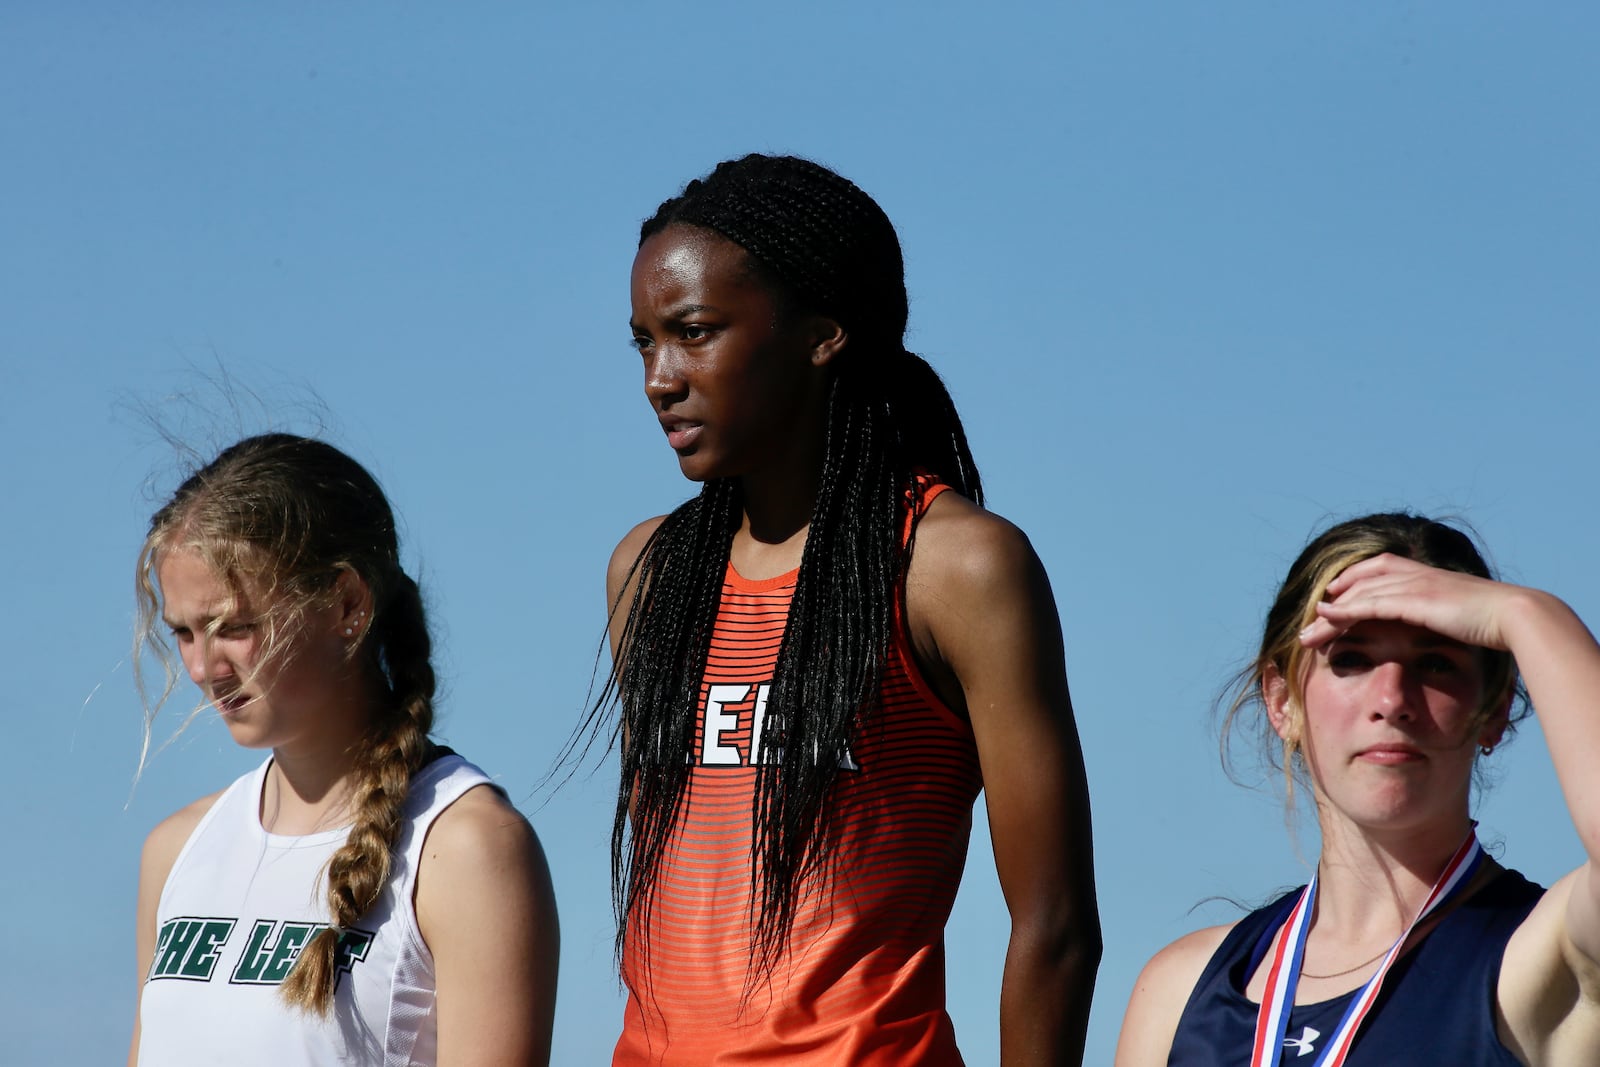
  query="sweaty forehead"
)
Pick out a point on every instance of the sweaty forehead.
point(687, 259)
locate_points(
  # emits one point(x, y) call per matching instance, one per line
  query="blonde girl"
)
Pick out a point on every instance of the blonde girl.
point(364, 896)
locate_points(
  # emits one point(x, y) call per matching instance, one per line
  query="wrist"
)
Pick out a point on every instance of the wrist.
point(1533, 615)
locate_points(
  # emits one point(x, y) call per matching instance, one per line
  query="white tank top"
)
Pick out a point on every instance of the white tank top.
point(237, 908)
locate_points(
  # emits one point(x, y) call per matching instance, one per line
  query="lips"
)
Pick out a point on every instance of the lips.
point(1390, 755)
point(681, 433)
point(231, 704)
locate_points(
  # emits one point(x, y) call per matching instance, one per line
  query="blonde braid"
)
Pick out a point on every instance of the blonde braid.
point(398, 748)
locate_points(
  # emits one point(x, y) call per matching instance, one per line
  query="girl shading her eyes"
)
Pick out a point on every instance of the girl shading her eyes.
point(1388, 668)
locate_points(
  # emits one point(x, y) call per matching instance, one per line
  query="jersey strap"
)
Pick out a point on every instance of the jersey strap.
point(1283, 974)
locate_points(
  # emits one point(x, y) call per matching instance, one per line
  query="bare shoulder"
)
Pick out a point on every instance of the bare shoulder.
point(481, 858)
point(1176, 968)
point(162, 846)
point(487, 912)
point(627, 552)
point(480, 831)
point(979, 606)
point(480, 849)
point(160, 852)
point(959, 542)
point(1160, 994)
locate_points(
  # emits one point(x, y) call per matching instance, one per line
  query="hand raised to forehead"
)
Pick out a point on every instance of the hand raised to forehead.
point(1459, 606)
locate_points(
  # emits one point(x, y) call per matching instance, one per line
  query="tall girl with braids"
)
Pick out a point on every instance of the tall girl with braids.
point(821, 658)
point(1387, 670)
point(365, 896)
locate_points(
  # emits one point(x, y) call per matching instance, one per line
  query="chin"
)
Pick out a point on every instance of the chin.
point(246, 737)
point(1401, 816)
point(700, 469)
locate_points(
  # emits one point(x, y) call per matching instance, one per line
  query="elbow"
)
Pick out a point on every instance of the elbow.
point(1069, 945)
point(1083, 950)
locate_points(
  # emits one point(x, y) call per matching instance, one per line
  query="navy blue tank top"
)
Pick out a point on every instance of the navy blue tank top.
point(1437, 1005)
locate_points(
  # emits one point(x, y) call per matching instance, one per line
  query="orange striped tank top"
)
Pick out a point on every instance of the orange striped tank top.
point(862, 982)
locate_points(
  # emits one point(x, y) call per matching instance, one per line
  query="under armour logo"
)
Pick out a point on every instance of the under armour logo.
point(1303, 1042)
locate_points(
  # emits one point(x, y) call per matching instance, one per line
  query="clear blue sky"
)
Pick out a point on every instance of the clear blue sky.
point(1200, 277)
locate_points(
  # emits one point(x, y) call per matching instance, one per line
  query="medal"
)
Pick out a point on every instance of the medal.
point(1283, 974)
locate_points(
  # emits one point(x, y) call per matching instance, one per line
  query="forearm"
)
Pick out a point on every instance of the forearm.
point(1045, 995)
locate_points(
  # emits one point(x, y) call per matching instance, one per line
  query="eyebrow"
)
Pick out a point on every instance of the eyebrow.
point(676, 313)
point(205, 620)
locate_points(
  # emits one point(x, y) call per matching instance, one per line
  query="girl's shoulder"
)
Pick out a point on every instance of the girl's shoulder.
point(956, 540)
point(166, 841)
point(628, 549)
point(1180, 964)
point(1160, 994)
point(626, 555)
point(175, 829)
point(979, 612)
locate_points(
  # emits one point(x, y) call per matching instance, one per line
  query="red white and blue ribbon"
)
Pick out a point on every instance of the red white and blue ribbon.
point(1283, 973)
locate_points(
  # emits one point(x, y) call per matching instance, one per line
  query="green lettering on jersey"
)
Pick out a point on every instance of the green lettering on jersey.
point(274, 947)
point(187, 948)
point(291, 939)
point(256, 952)
point(353, 948)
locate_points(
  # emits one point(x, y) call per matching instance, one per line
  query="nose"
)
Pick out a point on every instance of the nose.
point(203, 661)
point(663, 378)
point(1392, 691)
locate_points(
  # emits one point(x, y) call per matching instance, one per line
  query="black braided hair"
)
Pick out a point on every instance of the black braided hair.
point(823, 246)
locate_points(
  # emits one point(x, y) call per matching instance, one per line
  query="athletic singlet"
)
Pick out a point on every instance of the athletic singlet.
point(236, 909)
point(862, 982)
point(1437, 1006)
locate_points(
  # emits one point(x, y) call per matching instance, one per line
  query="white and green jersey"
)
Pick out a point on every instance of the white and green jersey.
point(237, 908)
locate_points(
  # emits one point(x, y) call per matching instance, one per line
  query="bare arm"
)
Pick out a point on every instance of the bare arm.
point(487, 911)
point(1549, 989)
point(161, 850)
point(1550, 979)
point(983, 617)
point(621, 580)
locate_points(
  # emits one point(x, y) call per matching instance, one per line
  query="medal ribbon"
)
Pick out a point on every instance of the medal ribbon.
point(1283, 974)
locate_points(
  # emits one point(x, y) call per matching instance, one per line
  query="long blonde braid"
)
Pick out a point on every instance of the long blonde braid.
point(398, 747)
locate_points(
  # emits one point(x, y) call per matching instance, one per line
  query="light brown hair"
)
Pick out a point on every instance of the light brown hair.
point(1295, 607)
point(283, 517)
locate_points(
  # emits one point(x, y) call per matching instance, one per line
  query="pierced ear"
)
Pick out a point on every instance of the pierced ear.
point(1495, 729)
point(352, 603)
point(1275, 695)
point(827, 340)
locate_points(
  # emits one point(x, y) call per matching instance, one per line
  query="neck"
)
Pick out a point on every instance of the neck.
point(778, 503)
point(309, 787)
point(1371, 883)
